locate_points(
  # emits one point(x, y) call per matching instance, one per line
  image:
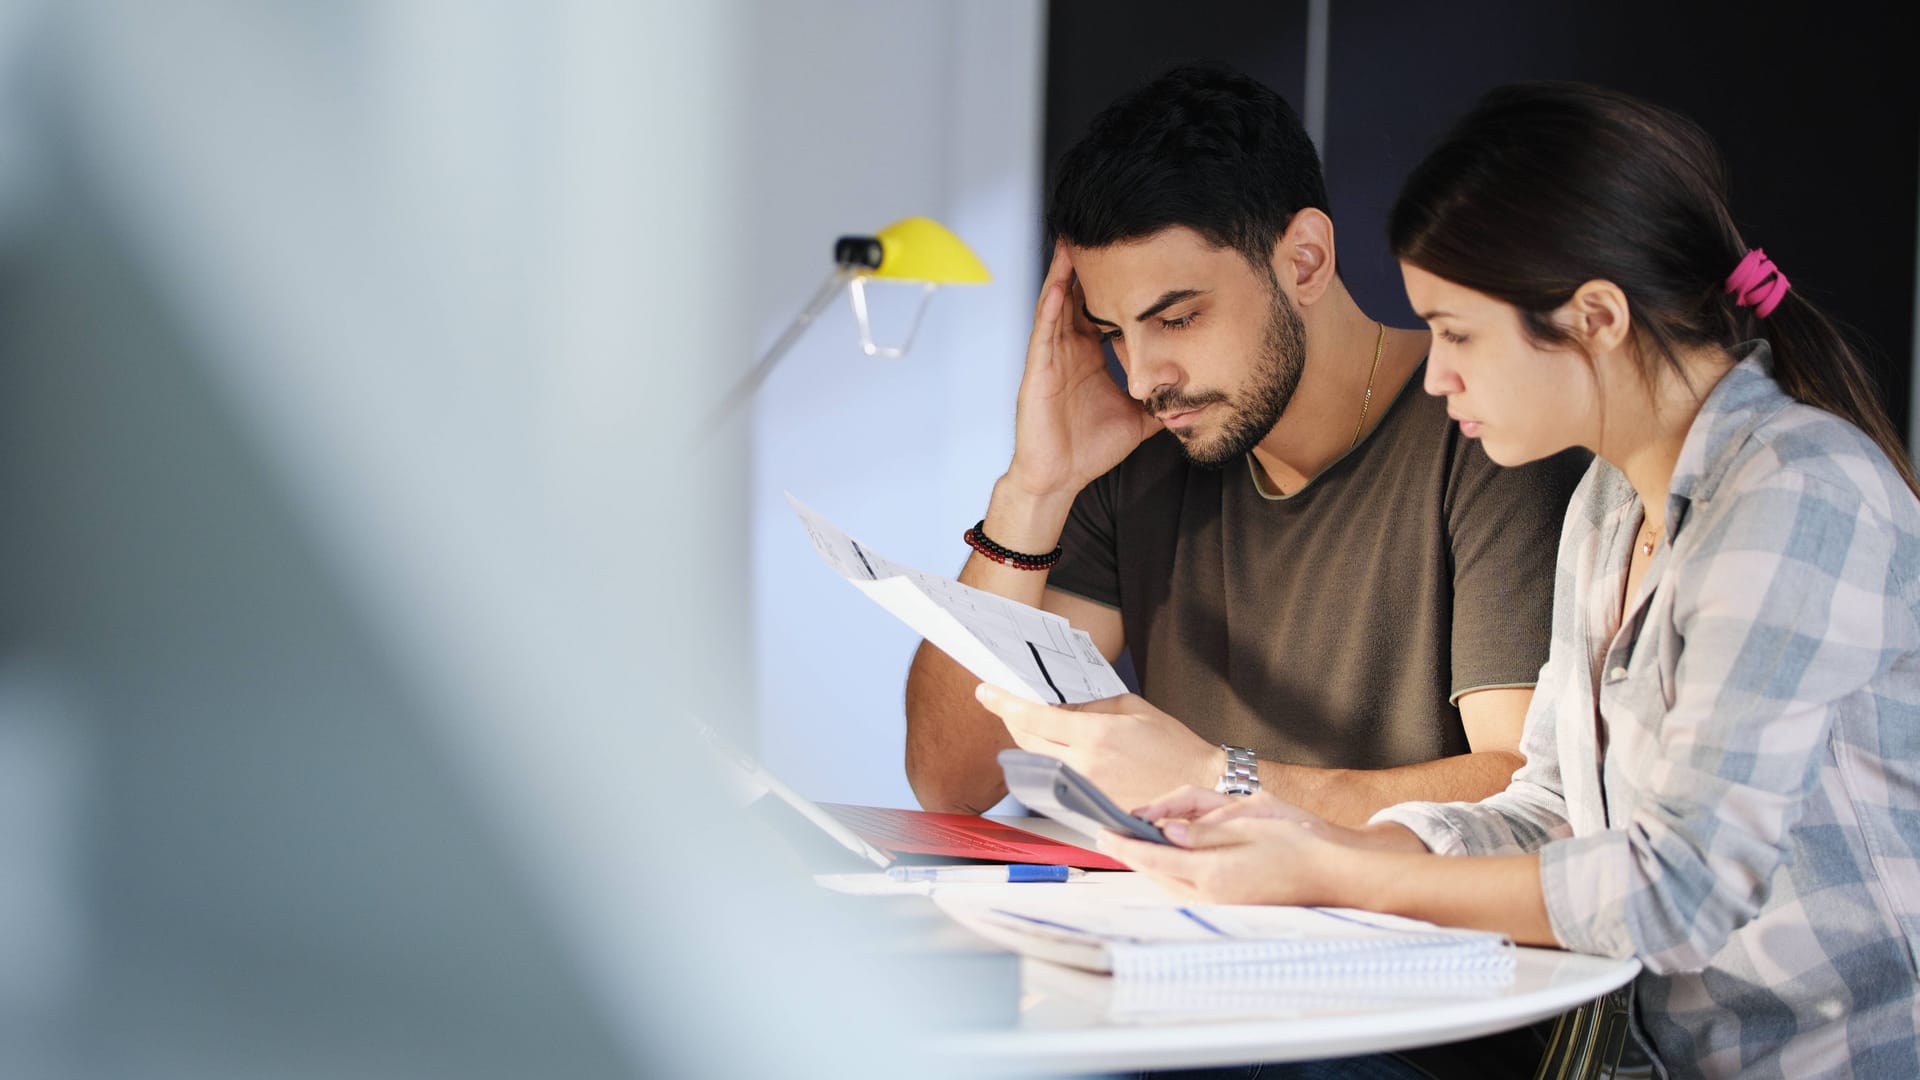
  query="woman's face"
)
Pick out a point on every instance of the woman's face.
point(1523, 402)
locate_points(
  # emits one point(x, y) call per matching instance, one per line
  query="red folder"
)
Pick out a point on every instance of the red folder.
point(901, 833)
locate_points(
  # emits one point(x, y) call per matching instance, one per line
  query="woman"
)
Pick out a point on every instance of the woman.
point(1724, 746)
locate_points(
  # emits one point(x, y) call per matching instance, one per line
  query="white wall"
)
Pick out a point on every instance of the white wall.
point(864, 112)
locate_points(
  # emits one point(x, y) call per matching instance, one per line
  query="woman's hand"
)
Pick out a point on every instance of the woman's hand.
point(1191, 803)
point(1229, 849)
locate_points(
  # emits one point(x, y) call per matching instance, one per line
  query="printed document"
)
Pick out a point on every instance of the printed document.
point(1021, 649)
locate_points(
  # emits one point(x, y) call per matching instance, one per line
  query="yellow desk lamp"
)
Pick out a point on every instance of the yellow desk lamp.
point(912, 249)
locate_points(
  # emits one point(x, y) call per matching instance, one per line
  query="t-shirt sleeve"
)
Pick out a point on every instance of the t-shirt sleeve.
point(1503, 526)
point(1089, 563)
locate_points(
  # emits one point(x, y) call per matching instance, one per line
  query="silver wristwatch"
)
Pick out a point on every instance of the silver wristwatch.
point(1242, 775)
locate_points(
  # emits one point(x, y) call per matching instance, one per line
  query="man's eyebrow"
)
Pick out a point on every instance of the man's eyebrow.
point(1167, 300)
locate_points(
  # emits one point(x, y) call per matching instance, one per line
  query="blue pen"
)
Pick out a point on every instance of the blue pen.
point(1013, 872)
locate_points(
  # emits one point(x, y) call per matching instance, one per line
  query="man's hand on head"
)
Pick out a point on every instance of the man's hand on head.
point(1129, 749)
point(1073, 422)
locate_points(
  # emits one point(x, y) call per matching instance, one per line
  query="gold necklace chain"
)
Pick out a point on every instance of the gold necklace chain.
point(1379, 341)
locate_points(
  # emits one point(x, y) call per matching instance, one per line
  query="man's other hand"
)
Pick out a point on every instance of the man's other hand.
point(1129, 749)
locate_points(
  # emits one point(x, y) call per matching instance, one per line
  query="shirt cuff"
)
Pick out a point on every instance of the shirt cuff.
point(1588, 885)
point(1428, 821)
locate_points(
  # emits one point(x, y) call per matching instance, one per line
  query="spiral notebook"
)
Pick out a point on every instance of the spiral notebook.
point(1239, 946)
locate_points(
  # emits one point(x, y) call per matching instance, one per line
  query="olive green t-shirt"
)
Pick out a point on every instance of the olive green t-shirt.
point(1338, 625)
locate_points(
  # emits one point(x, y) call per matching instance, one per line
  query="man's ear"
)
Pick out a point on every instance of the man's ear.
point(1598, 315)
point(1303, 259)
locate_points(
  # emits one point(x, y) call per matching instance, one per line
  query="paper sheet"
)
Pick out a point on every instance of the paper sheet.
point(1338, 950)
point(1030, 652)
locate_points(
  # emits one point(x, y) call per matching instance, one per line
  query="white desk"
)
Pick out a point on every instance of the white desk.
point(1067, 1023)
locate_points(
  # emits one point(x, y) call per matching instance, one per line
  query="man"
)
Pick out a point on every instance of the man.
point(1343, 599)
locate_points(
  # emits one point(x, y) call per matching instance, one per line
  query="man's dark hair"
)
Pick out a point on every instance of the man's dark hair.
point(1201, 146)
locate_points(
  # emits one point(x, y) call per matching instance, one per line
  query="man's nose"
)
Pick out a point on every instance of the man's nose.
point(1149, 370)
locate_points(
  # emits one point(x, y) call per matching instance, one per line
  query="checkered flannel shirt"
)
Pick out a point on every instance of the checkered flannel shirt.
point(1726, 784)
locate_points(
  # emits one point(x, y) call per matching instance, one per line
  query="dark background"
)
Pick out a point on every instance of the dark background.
point(1816, 108)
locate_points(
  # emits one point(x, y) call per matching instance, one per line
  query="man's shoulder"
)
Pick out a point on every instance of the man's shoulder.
point(1415, 432)
point(1154, 463)
point(1475, 477)
point(1428, 447)
point(1131, 494)
point(1160, 452)
point(1556, 474)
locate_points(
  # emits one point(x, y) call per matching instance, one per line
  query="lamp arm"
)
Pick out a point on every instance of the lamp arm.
point(867, 344)
point(751, 381)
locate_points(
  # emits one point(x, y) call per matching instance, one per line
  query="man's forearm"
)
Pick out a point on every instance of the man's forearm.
point(1022, 522)
point(951, 740)
point(1351, 796)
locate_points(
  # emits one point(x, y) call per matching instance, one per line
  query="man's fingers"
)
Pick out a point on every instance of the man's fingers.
point(1059, 272)
point(1035, 744)
point(1046, 318)
point(1073, 320)
point(1060, 267)
point(1032, 718)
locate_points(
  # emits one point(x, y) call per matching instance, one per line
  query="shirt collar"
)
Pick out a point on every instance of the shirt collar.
point(1743, 399)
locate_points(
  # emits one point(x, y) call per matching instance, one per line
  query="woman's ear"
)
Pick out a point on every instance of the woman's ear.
point(1303, 259)
point(1598, 316)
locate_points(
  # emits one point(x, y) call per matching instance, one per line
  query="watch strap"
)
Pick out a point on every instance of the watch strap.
point(1242, 773)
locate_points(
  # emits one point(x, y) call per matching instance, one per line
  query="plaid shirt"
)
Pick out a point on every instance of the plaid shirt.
point(1727, 784)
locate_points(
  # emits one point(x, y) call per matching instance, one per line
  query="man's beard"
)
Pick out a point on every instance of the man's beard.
point(1253, 412)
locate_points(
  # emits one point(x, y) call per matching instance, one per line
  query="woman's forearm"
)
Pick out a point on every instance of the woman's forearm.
point(1493, 892)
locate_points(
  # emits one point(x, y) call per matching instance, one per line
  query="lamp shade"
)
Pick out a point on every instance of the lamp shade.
point(913, 249)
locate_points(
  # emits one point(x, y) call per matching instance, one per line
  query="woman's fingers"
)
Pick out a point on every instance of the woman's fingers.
point(1183, 803)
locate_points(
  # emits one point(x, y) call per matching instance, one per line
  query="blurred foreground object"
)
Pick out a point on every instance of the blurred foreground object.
point(337, 656)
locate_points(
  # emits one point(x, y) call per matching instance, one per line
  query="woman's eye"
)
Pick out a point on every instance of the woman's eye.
point(1452, 338)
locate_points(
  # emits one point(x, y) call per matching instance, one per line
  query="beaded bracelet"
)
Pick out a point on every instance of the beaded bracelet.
point(976, 539)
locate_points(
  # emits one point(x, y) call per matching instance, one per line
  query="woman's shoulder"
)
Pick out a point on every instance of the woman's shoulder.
point(1808, 488)
point(1810, 450)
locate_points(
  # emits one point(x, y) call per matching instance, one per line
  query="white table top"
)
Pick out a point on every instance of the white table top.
point(1071, 1021)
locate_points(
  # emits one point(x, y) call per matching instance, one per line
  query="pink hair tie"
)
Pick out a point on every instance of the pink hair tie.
point(1757, 283)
